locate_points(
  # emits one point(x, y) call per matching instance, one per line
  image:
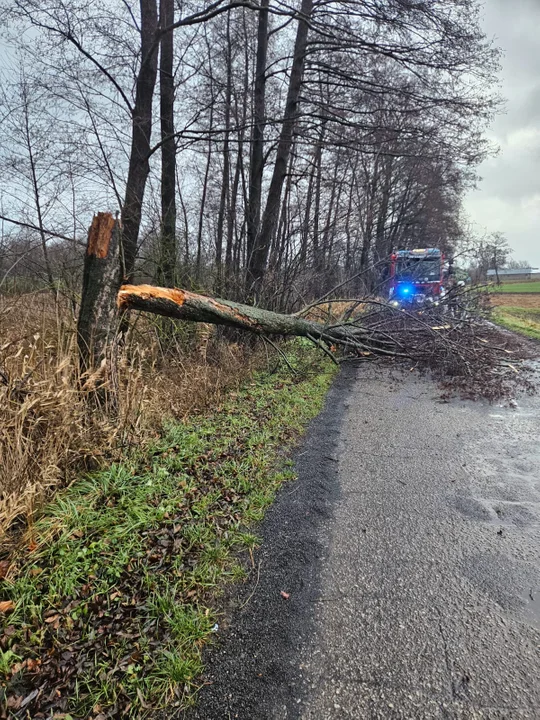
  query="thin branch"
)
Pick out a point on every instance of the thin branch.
point(31, 226)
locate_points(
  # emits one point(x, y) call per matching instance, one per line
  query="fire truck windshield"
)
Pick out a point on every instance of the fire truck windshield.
point(418, 269)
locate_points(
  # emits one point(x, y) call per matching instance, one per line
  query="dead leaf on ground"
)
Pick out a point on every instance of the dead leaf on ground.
point(6, 606)
point(53, 621)
point(14, 702)
point(9, 631)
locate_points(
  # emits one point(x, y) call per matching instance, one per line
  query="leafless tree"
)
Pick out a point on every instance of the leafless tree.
point(298, 145)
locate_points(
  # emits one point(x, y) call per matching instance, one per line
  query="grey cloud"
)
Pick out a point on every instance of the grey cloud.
point(509, 195)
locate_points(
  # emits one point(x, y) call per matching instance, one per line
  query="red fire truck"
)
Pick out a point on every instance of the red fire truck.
point(416, 277)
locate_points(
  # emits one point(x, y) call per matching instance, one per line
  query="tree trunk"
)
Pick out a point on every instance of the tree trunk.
point(318, 259)
point(35, 187)
point(304, 237)
point(256, 166)
point(231, 216)
point(224, 200)
point(96, 327)
point(186, 230)
point(185, 305)
point(198, 267)
point(371, 185)
point(141, 129)
point(381, 244)
point(329, 232)
point(258, 257)
point(282, 234)
point(167, 262)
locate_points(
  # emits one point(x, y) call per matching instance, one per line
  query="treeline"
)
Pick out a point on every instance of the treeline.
point(254, 150)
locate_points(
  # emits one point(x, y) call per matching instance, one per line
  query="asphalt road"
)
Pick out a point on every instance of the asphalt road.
point(410, 550)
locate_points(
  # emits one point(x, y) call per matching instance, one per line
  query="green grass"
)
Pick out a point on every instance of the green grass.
point(525, 321)
point(524, 287)
point(124, 567)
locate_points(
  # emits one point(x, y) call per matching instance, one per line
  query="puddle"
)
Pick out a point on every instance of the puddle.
point(475, 508)
point(520, 513)
point(531, 611)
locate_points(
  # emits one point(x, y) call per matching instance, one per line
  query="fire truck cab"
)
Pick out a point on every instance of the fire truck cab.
point(416, 277)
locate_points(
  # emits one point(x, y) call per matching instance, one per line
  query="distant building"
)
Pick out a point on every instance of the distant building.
point(514, 274)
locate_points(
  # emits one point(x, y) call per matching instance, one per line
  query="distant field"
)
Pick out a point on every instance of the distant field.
point(524, 287)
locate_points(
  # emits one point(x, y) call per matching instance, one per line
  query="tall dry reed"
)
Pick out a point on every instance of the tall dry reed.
point(49, 433)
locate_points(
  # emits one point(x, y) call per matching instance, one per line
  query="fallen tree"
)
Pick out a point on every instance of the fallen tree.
point(185, 305)
point(464, 352)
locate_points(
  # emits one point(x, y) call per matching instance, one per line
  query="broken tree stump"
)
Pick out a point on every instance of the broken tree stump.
point(97, 322)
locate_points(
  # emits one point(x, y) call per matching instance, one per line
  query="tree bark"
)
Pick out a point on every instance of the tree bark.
point(141, 129)
point(256, 166)
point(258, 258)
point(198, 267)
point(318, 260)
point(168, 249)
point(224, 200)
point(96, 327)
point(283, 232)
point(185, 305)
point(235, 230)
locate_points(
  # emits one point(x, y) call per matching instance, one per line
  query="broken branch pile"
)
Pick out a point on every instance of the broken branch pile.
point(468, 355)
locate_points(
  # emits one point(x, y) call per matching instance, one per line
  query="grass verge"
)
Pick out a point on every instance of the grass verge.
point(525, 321)
point(106, 612)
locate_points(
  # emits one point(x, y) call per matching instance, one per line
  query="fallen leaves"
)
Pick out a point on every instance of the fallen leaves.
point(28, 665)
point(6, 606)
point(109, 627)
point(53, 621)
point(32, 664)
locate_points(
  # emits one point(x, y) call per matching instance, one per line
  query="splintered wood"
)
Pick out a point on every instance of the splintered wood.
point(100, 234)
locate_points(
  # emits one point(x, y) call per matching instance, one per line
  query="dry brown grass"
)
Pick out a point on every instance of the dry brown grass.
point(519, 300)
point(49, 432)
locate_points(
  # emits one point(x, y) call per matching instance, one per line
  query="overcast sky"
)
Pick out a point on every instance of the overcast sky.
point(508, 198)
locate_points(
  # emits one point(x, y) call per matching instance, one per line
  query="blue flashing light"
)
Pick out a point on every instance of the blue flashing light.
point(405, 290)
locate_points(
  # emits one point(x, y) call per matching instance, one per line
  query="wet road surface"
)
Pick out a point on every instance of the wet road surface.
point(410, 548)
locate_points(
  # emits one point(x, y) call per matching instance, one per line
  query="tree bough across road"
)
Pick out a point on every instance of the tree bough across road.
point(454, 341)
